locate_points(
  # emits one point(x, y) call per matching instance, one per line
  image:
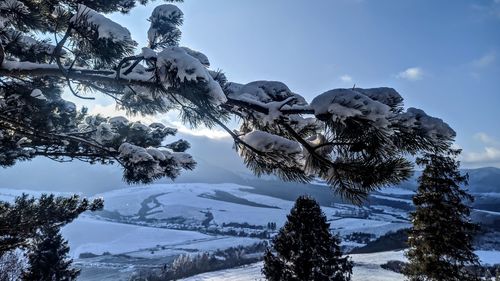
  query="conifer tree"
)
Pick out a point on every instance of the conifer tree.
point(22, 220)
point(48, 257)
point(355, 139)
point(440, 241)
point(487, 274)
point(305, 250)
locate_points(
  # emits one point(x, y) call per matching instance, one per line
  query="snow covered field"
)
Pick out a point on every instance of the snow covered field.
point(145, 227)
point(366, 268)
point(138, 241)
point(227, 202)
point(230, 203)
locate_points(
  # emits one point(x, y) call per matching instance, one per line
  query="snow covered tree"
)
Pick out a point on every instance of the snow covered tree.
point(21, 221)
point(355, 139)
point(487, 274)
point(12, 265)
point(440, 241)
point(305, 250)
point(48, 257)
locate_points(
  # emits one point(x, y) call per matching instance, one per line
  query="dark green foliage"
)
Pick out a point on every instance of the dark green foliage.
point(360, 237)
point(441, 238)
point(48, 257)
point(188, 265)
point(305, 250)
point(179, 146)
point(36, 121)
point(23, 220)
point(394, 265)
point(391, 241)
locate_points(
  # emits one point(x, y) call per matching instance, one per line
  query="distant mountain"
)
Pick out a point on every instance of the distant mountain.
point(217, 163)
point(481, 180)
point(484, 180)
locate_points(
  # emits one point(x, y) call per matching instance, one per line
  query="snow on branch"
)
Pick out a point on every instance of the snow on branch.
point(352, 138)
point(421, 123)
point(106, 28)
point(266, 142)
point(187, 68)
point(164, 30)
point(340, 104)
point(147, 164)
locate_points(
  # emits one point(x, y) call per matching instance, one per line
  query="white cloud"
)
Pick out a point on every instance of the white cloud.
point(486, 60)
point(486, 139)
point(169, 119)
point(487, 8)
point(346, 78)
point(488, 156)
point(412, 74)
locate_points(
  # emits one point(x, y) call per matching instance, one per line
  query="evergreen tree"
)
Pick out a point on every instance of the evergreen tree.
point(487, 274)
point(440, 241)
point(497, 274)
point(356, 139)
point(305, 250)
point(21, 221)
point(48, 257)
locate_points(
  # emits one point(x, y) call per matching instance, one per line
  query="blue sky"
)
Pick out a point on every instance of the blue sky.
point(442, 56)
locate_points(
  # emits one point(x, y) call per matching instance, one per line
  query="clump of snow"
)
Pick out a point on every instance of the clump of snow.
point(263, 91)
point(156, 153)
point(118, 121)
point(25, 65)
point(138, 126)
point(106, 28)
point(385, 95)
point(105, 133)
point(37, 94)
point(165, 12)
point(182, 158)
point(272, 95)
point(134, 153)
point(430, 126)
point(341, 104)
point(266, 142)
point(16, 5)
point(158, 161)
point(147, 53)
point(199, 55)
point(188, 68)
point(164, 15)
point(23, 140)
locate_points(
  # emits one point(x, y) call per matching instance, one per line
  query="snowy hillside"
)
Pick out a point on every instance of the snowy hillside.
point(146, 227)
point(366, 268)
point(189, 204)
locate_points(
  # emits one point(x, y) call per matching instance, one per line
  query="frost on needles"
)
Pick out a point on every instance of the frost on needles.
point(355, 139)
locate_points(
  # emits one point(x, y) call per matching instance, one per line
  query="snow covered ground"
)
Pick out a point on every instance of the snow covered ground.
point(231, 203)
point(227, 203)
point(89, 235)
point(367, 268)
point(145, 227)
